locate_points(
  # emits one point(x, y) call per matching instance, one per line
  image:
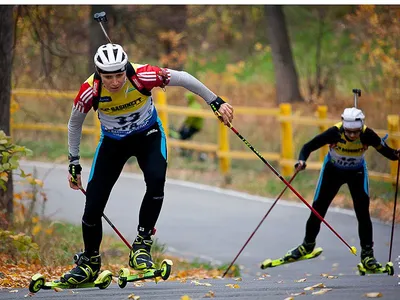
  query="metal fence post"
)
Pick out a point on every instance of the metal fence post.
point(322, 114)
point(223, 142)
point(286, 138)
point(393, 127)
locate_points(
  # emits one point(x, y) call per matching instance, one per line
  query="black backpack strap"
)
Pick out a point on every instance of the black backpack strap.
point(133, 78)
point(96, 90)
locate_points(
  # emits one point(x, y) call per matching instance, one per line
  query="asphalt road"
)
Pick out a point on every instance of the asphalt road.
point(199, 221)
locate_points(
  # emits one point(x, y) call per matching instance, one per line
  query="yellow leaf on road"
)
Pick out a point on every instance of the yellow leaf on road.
point(233, 286)
point(321, 291)
point(200, 283)
point(373, 295)
point(298, 294)
point(289, 298)
point(57, 289)
point(301, 280)
point(210, 294)
point(185, 297)
point(315, 286)
point(132, 296)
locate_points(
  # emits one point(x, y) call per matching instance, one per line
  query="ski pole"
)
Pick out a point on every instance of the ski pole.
point(352, 248)
point(258, 226)
point(111, 224)
point(394, 210)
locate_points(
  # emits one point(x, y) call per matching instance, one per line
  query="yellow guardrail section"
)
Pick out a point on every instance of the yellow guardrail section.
point(284, 115)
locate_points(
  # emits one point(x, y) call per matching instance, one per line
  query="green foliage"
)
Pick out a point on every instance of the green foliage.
point(18, 246)
point(9, 158)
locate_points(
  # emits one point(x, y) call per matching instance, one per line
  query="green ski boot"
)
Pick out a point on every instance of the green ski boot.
point(139, 256)
point(86, 270)
point(298, 252)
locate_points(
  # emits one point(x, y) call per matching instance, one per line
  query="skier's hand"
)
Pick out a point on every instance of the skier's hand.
point(223, 110)
point(74, 176)
point(300, 165)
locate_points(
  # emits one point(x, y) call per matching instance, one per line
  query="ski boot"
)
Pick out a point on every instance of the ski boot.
point(86, 270)
point(299, 251)
point(369, 265)
point(302, 252)
point(139, 256)
point(140, 259)
point(84, 275)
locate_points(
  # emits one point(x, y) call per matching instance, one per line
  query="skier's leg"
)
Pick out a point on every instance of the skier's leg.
point(327, 187)
point(107, 165)
point(359, 190)
point(153, 162)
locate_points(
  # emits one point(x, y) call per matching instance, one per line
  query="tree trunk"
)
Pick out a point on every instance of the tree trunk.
point(6, 49)
point(287, 83)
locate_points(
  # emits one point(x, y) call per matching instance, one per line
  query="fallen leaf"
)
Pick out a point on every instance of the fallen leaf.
point(301, 280)
point(280, 281)
point(297, 294)
point(318, 285)
point(29, 295)
point(57, 289)
point(373, 295)
point(210, 294)
point(321, 291)
point(200, 283)
point(13, 291)
point(185, 297)
point(289, 298)
point(138, 284)
point(233, 286)
point(238, 279)
point(132, 296)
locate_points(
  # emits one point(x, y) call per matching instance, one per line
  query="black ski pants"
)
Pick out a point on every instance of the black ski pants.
point(149, 147)
point(330, 180)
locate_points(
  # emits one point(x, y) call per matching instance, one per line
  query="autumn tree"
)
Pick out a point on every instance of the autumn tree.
point(6, 51)
point(287, 83)
point(376, 30)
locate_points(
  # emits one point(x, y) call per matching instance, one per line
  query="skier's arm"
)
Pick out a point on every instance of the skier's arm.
point(189, 82)
point(82, 105)
point(371, 138)
point(153, 76)
point(330, 136)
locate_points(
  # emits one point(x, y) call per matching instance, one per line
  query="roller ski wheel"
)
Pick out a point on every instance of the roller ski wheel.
point(389, 269)
point(125, 276)
point(38, 282)
point(271, 263)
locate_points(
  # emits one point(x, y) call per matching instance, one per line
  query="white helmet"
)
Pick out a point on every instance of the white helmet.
point(353, 118)
point(110, 58)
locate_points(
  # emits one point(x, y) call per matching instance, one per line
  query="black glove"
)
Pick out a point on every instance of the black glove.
point(74, 170)
point(216, 104)
point(304, 165)
point(397, 152)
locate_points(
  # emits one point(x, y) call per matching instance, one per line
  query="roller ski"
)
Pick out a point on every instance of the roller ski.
point(84, 275)
point(140, 260)
point(369, 265)
point(302, 252)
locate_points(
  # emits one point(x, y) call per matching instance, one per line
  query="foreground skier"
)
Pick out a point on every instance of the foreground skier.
point(121, 93)
point(345, 163)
